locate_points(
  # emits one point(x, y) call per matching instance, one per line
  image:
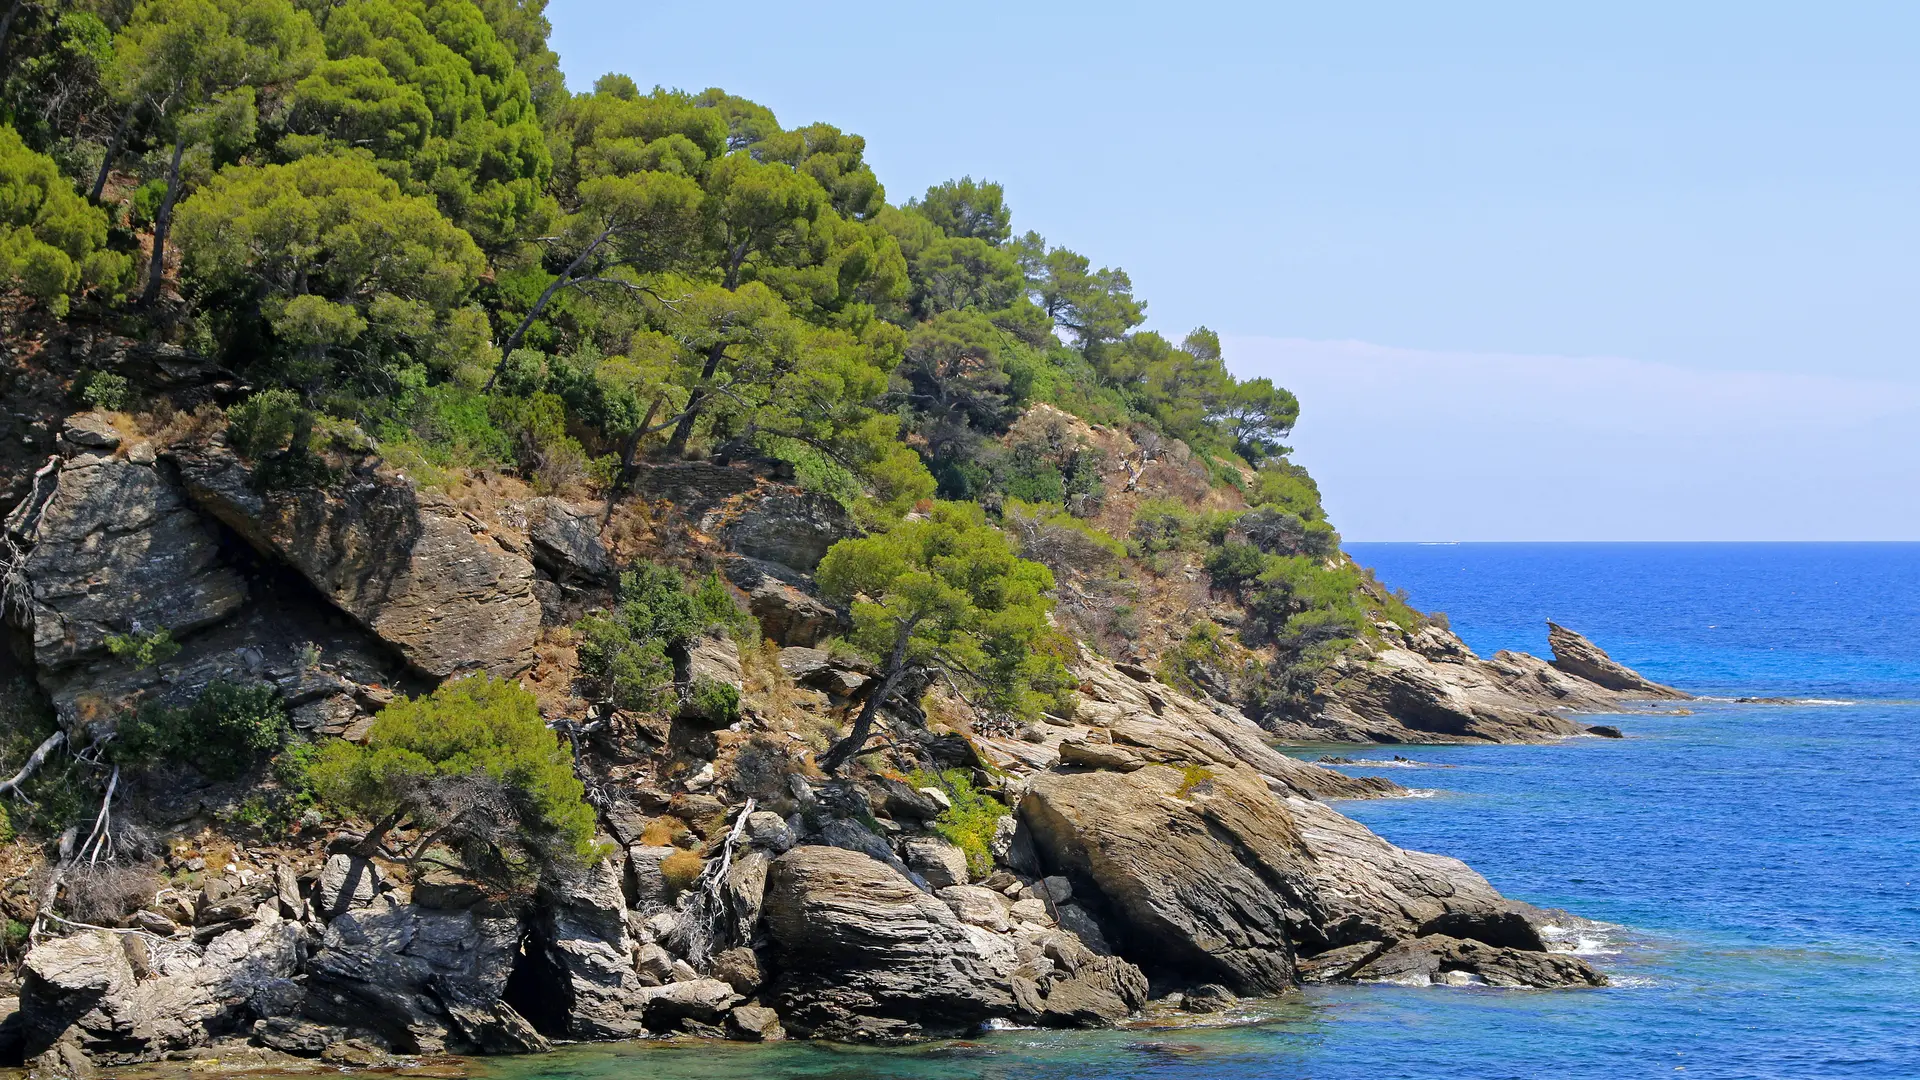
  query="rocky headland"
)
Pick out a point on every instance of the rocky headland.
point(1147, 841)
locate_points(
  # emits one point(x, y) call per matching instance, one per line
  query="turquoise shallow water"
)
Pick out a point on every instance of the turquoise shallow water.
point(1758, 865)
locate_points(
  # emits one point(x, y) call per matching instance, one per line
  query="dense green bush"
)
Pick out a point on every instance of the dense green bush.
point(266, 422)
point(104, 390)
point(228, 727)
point(144, 648)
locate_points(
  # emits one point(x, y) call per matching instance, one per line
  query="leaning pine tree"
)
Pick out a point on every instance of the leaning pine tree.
point(944, 594)
point(474, 768)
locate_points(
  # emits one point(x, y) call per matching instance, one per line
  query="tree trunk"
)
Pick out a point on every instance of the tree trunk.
point(566, 278)
point(683, 431)
point(113, 150)
point(163, 223)
point(856, 740)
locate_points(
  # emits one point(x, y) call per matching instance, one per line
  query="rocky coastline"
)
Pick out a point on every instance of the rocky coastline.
point(1152, 845)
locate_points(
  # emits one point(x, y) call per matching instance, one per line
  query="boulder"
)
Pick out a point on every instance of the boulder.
point(566, 542)
point(739, 968)
point(1210, 998)
point(1098, 991)
point(788, 613)
point(345, 882)
point(1189, 903)
point(669, 1007)
point(755, 1023)
point(768, 831)
point(941, 863)
point(409, 565)
point(863, 954)
point(1582, 659)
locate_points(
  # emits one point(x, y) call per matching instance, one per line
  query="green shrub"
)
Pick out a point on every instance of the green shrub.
point(105, 390)
point(969, 824)
point(624, 654)
point(1234, 563)
point(714, 701)
point(144, 648)
point(474, 764)
point(225, 729)
point(266, 422)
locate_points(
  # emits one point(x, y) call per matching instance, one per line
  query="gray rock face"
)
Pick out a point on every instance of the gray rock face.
point(427, 981)
point(114, 547)
point(409, 565)
point(792, 528)
point(788, 614)
point(83, 991)
point(581, 936)
point(863, 954)
point(566, 542)
point(1582, 659)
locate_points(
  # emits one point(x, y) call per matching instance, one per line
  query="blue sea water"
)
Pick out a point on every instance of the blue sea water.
point(1756, 866)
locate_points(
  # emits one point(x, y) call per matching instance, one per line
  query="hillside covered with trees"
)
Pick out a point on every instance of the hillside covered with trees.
point(392, 216)
point(486, 564)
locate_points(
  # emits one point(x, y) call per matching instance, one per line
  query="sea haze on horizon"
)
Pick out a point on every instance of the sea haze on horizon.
point(1412, 445)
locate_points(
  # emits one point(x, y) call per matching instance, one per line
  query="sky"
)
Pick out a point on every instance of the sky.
point(1622, 271)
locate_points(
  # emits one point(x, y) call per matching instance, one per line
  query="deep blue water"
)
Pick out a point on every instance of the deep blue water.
point(1759, 864)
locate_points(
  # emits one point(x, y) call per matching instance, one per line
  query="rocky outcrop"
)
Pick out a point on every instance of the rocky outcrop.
point(119, 997)
point(778, 598)
point(791, 528)
point(424, 980)
point(1127, 721)
point(1208, 876)
point(865, 955)
point(1428, 687)
point(566, 542)
point(112, 547)
point(411, 567)
point(1582, 659)
point(584, 976)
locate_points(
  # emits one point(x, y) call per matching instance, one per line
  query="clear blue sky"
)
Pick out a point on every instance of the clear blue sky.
point(1476, 228)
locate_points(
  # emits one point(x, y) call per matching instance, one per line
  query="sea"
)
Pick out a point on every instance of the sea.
point(1746, 872)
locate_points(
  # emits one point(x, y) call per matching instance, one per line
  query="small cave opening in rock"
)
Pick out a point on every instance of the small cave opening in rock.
point(536, 989)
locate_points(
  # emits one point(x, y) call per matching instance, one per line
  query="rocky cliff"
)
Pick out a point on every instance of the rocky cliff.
point(1145, 843)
